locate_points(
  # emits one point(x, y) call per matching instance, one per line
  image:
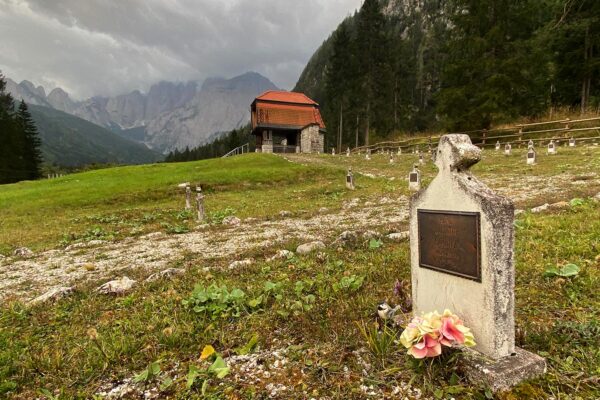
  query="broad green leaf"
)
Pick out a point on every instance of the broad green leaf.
point(569, 270)
point(219, 368)
point(248, 347)
point(375, 243)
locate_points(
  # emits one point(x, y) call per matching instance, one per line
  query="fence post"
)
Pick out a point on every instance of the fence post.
point(200, 203)
point(188, 197)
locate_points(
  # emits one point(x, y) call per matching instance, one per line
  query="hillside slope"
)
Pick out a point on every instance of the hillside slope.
point(71, 141)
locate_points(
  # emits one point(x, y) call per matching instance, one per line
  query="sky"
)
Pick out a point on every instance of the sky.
point(110, 47)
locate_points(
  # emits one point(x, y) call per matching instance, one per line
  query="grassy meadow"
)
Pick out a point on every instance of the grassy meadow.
point(317, 310)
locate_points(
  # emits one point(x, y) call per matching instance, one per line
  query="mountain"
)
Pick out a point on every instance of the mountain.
point(70, 141)
point(219, 106)
point(170, 116)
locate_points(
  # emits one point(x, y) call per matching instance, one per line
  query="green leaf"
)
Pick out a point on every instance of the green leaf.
point(192, 374)
point(551, 271)
point(576, 202)
point(569, 270)
point(219, 368)
point(375, 243)
point(166, 383)
point(255, 302)
point(248, 347)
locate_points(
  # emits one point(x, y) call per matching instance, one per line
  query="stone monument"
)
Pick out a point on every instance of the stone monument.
point(531, 156)
point(333, 151)
point(461, 244)
point(399, 150)
point(348, 152)
point(507, 149)
point(530, 144)
point(421, 159)
point(572, 142)
point(391, 158)
point(497, 145)
point(551, 147)
point(414, 179)
point(368, 155)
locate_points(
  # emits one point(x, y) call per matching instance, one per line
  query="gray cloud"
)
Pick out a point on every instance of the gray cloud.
point(107, 47)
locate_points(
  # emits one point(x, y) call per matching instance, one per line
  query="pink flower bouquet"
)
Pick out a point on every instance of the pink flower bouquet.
point(424, 336)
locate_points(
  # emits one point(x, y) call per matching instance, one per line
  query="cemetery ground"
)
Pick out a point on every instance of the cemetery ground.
point(297, 326)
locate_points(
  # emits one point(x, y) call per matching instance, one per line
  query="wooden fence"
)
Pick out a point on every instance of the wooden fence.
point(586, 129)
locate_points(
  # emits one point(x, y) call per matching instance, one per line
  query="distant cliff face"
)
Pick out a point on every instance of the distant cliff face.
point(173, 115)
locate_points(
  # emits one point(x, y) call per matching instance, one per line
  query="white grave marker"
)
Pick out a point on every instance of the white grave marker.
point(348, 152)
point(551, 147)
point(461, 244)
point(507, 149)
point(200, 203)
point(414, 180)
point(350, 179)
point(572, 142)
point(497, 145)
point(531, 156)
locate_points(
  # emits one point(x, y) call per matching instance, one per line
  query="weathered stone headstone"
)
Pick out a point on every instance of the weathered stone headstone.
point(391, 158)
point(399, 150)
point(350, 179)
point(497, 145)
point(507, 149)
point(200, 203)
point(531, 156)
point(348, 152)
point(368, 155)
point(414, 180)
point(333, 151)
point(530, 144)
point(461, 243)
point(421, 159)
point(551, 147)
point(572, 142)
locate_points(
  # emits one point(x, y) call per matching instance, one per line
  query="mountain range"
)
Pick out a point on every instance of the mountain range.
point(171, 115)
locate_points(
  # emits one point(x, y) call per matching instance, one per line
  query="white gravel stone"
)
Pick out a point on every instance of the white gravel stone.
point(167, 273)
point(281, 254)
point(241, 263)
point(399, 236)
point(231, 220)
point(310, 247)
point(541, 208)
point(117, 286)
point(23, 252)
point(53, 294)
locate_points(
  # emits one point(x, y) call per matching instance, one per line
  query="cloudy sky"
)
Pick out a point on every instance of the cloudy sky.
point(107, 47)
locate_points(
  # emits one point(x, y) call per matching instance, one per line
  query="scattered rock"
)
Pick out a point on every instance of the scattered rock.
point(399, 236)
point(370, 235)
point(285, 213)
point(347, 236)
point(384, 200)
point(369, 203)
point(152, 235)
point(323, 210)
point(53, 295)
point(541, 208)
point(310, 247)
point(231, 220)
point(23, 252)
point(202, 227)
point(281, 254)
point(352, 203)
point(117, 286)
point(250, 219)
point(561, 205)
point(519, 212)
point(241, 263)
point(167, 273)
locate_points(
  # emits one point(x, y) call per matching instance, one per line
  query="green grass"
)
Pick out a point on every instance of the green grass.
point(74, 346)
point(50, 347)
point(124, 201)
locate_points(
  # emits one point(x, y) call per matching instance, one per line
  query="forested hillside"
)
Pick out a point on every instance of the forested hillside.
point(414, 65)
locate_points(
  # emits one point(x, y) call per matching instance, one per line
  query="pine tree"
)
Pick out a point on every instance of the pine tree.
point(8, 135)
point(32, 157)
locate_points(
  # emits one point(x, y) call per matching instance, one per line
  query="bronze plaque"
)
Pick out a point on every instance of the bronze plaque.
point(449, 242)
point(348, 179)
point(413, 177)
point(531, 155)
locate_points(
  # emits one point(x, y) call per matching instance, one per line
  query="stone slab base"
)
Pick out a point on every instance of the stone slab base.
point(504, 373)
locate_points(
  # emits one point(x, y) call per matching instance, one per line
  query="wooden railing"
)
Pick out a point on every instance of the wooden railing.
point(518, 134)
point(245, 148)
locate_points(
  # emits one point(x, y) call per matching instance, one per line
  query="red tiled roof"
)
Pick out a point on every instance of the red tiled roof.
point(286, 97)
point(286, 115)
